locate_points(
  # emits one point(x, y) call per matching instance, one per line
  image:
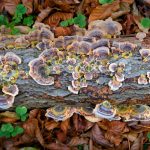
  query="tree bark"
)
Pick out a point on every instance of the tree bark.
point(33, 95)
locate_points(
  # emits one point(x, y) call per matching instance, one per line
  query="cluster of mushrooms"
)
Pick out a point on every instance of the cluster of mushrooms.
point(9, 72)
point(101, 111)
point(86, 56)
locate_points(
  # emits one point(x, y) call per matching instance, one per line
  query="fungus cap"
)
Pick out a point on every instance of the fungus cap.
point(73, 90)
point(113, 67)
point(144, 52)
point(6, 101)
point(101, 52)
point(60, 112)
point(12, 57)
point(141, 36)
point(114, 84)
point(38, 71)
point(120, 77)
point(127, 46)
point(142, 79)
point(11, 90)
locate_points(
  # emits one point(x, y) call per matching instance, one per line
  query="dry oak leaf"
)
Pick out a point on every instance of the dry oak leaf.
point(63, 31)
point(128, 1)
point(9, 5)
point(75, 141)
point(50, 125)
point(55, 18)
point(98, 137)
point(104, 11)
point(138, 143)
point(65, 125)
point(29, 5)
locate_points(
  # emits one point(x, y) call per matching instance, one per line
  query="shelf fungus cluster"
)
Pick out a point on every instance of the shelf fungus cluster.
point(9, 72)
point(101, 111)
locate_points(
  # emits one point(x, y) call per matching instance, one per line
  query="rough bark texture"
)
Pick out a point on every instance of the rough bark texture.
point(33, 95)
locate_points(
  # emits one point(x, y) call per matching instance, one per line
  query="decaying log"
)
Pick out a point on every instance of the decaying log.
point(34, 95)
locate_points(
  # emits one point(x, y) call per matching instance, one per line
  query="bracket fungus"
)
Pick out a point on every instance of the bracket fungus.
point(40, 73)
point(9, 72)
point(105, 110)
point(60, 112)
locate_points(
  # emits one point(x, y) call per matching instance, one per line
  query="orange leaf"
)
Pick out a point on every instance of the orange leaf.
point(63, 31)
point(104, 11)
point(98, 137)
point(50, 125)
point(65, 125)
point(75, 141)
point(55, 18)
point(28, 4)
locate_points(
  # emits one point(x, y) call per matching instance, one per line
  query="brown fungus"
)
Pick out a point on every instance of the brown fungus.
point(40, 72)
point(11, 90)
point(101, 52)
point(11, 57)
point(6, 101)
point(105, 110)
point(60, 112)
point(145, 53)
point(114, 84)
point(142, 79)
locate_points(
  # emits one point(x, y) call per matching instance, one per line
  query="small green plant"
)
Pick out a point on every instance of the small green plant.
point(21, 112)
point(3, 20)
point(148, 136)
point(105, 1)
point(7, 130)
point(79, 20)
point(145, 22)
point(19, 17)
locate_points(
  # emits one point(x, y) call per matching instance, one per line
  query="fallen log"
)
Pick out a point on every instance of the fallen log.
point(33, 95)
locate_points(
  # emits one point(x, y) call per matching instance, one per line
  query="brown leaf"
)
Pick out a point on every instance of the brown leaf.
point(98, 137)
point(61, 136)
point(43, 14)
point(104, 11)
point(75, 141)
point(131, 136)
point(64, 126)
point(128, 1)
point(50, 125)
point(33, 113)
point(29, 5)
point(56, 146)
point(8, 116)
point(9, 5)
point(137, 145)
point(32, 129)
point(63, 31)
point(116, 139)
point(55, 18)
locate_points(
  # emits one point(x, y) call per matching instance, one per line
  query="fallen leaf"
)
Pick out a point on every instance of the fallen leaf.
point(29, 5)
point(56, 146)
point(61, 136)
point(54, 19)
point(128, 1)
point(137, 145)
point(131, 136)
point(98, 137)
point(75, 141)
point(63, 31)
point(50, 125)
point(9, 5)
point(64, 126)
point(104, 11)
point(8, 116)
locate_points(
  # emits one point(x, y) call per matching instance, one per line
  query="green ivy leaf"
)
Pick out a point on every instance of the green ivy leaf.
point(15, 31)
point(148, 136)
point(24, 117)
point(64, 23)
point(145, 22)
point(80, 20)
point(21, 9)
point(21, 110)
point(7, 127)
point(71, 21)
point(3, 20)
point(28, 21)
point(105, 1)
point(2, 134)
point(17, 130)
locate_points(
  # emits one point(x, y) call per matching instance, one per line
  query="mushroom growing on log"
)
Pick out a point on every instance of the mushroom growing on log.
point(91, 91)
